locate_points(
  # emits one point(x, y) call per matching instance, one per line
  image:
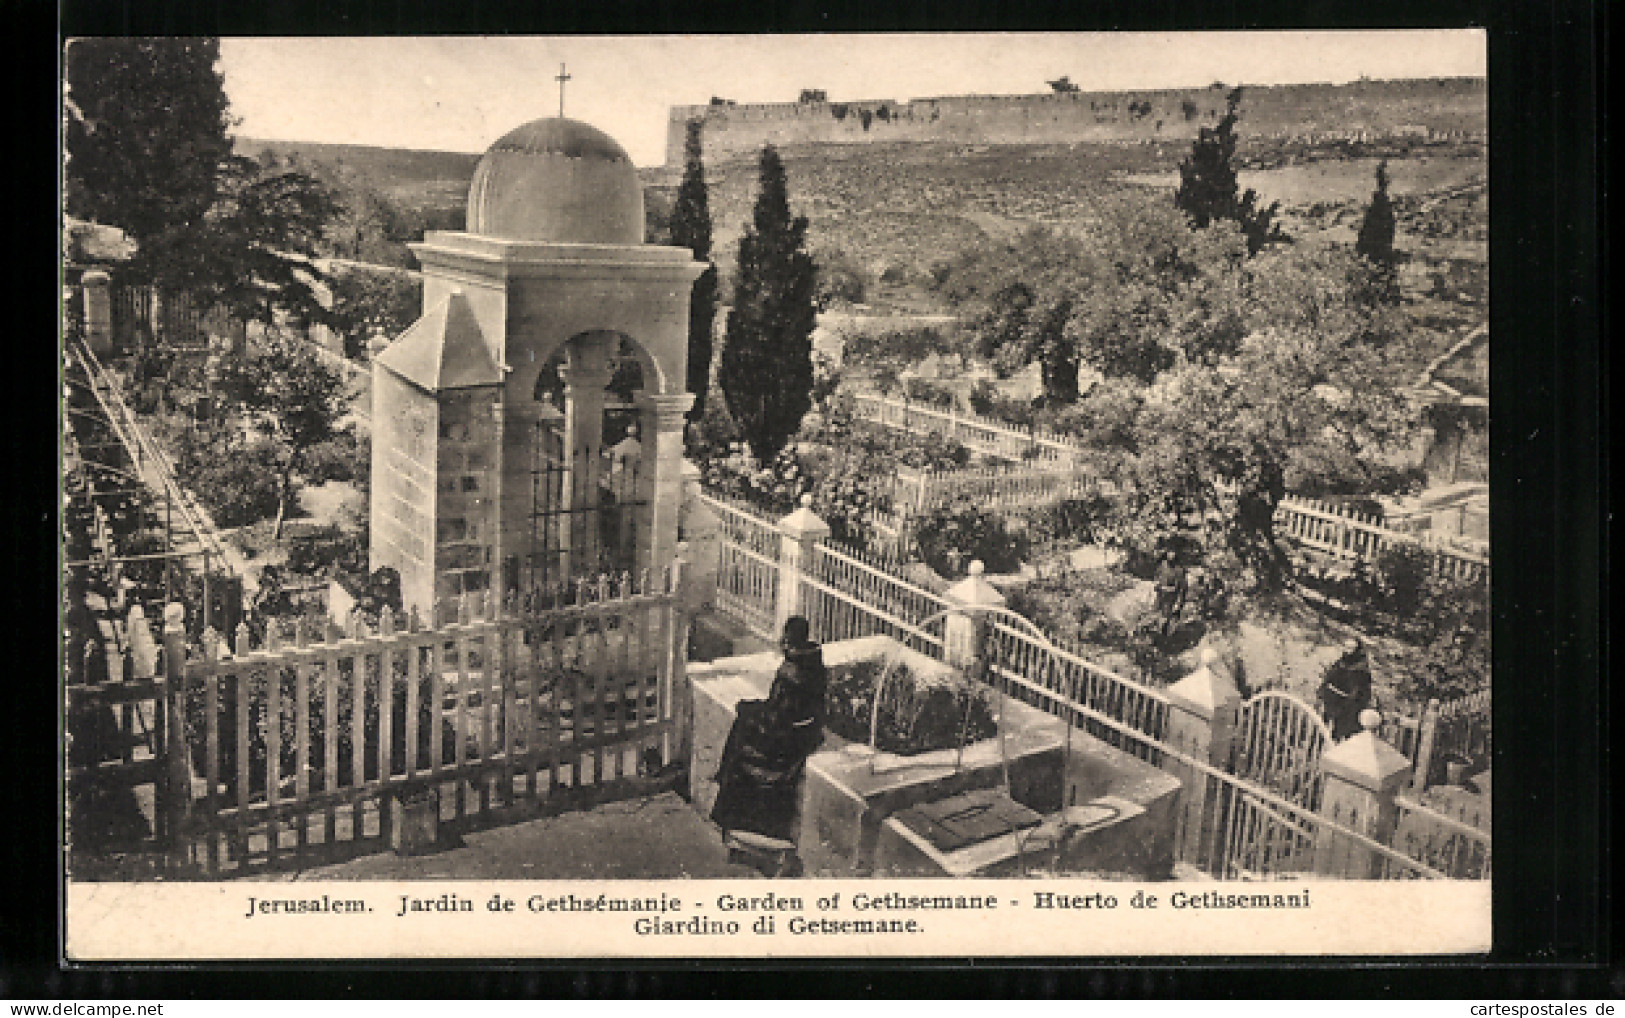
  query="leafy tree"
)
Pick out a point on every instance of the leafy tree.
point(146, 134)
point(253, 250)
point(149, 150)
point(766, 372)
point(1136, 293)
point(1311, 401)
point(691, 228)
point(294, 400)
point(1375, 242)
point(368, 301)
point(1208, 189)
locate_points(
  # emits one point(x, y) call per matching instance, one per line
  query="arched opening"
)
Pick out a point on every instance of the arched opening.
point(590, 483)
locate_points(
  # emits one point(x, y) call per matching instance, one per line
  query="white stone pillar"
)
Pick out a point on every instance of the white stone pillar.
point(1201, 724)
point(176, 786)
point(663, 467)
point(585, 375)
point(964, 634)
point(98, 311)
point(800, 532)
point(1363, 775)
point(699, 529)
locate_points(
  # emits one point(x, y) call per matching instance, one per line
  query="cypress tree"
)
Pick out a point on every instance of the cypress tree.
point(691, 228)
point(1208, 189)
point(766, 371)
point(1375, 242)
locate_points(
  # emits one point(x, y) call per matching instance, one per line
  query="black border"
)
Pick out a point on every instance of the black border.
point(1553, 927)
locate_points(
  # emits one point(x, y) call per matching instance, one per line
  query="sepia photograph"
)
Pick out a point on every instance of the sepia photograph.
point(775, 495)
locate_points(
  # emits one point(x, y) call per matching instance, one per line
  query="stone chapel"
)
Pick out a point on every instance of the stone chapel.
point(528, 428)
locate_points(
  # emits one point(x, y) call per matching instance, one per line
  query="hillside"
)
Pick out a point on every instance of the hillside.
point(896, 210)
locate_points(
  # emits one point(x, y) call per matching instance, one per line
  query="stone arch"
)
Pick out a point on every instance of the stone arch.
point(530, 379)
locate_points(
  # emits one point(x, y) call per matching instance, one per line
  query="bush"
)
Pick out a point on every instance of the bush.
point(985, 399)
point(914, 717)
point(327, 552)
point(238, 489)
point(951, 537)
point(840, 280)
point(923, 390)
point(1404, 571)
point(1069, 520)
point(894, 348)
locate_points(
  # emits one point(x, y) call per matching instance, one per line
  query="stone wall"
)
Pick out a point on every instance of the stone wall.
point(1431, 108)
point(405, 426)
point(466, 503)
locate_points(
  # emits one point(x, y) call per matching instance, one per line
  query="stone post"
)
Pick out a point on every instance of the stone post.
point(699, 529)
point(143, 651)
point(964, 634)
point(663, 419)
point(98, 311)
point(1363, 775)
point(1427, 737)
point(585, 375)
point(1202, 710)
point(176, 786)
point(801, 531)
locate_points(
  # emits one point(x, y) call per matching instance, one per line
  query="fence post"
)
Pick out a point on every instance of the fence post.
point(176, 783)
point(98, 312)
point(1363, 774)
point(1427, 737)
point(1201, 724)
point(679, 695)
point(801, 530)
point(964, 636)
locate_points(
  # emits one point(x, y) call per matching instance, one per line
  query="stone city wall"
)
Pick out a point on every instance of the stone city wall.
point(1445, 108)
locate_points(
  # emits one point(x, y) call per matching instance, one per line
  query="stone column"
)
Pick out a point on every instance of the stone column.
point(585, 374)
point(800, 532)
point(964, 635)
point(98, 311)
point(1363, 775)
point(522, 418)
point(699, 529)
point(496, 583)
point(1201, 724)
point(661, 476)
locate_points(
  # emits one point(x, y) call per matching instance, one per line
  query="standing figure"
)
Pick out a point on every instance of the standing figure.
point(1171, 590)
point(1345, 691)
point(759, 779)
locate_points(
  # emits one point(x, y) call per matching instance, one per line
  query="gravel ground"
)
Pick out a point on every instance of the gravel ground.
point(656, 838)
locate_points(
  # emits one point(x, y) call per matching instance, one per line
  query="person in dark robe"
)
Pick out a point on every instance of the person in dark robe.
point(1171, 590)
point(1345, 691)
point(759, 778)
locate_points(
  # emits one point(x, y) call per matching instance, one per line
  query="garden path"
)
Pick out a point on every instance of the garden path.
point(656, 838)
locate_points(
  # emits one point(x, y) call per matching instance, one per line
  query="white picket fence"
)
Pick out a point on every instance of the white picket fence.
point(981, 434)
point(1347, 535)
point(998, 488)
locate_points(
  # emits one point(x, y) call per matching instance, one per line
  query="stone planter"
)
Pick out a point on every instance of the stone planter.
point(1122, 820)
